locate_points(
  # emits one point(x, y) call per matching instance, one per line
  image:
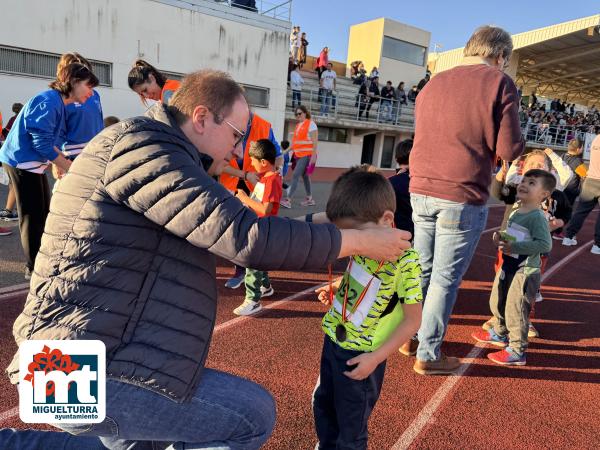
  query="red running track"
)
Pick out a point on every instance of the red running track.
point(550, 403)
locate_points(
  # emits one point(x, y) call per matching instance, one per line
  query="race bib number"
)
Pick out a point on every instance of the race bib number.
point(356, 282)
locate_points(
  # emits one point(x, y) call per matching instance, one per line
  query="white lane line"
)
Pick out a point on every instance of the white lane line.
point(490, 229)
point(6, 415)
point(273, 305)
point(426, 415)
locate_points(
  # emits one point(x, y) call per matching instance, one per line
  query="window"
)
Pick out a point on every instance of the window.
point(256, 95)
point(387, 152)
point(172, 75)
point(32, 63)
point(404, 51)
point(328, 134)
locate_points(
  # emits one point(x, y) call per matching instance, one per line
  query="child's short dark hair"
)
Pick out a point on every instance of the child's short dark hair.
point(263, 149)
point(574, 145)
point(361, 193)
point(110, 120)
point(285, 144)
point(403, 151)
point(548, 180)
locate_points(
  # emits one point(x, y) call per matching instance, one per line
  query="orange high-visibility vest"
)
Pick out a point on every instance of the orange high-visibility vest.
point(259, 129)
point(302, 143)
point(168, 90)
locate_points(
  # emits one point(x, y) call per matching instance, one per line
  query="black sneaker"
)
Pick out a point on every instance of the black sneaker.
point(7, 215)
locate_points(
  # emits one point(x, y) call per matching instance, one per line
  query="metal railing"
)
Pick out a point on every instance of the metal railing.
point(276, 10)
point(550, 135)
point(324, 104)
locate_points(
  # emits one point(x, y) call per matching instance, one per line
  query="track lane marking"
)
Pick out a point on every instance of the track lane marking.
point(413, 431)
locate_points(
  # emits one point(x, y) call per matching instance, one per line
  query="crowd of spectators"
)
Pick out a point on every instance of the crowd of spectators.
point(557, 123)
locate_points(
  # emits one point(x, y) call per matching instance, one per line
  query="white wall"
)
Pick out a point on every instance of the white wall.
point(172, 38)
point(338, 155)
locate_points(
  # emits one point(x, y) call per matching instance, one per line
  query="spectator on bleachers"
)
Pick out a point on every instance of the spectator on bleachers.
point(328, 86)
point(368, 94)
point(294, 36)
point(296, 82)
point(388, 102)
point(423, 82)
point(322, 61)
point(374, 73)
point(303, 50)
point(401, 94)
point(412, 94)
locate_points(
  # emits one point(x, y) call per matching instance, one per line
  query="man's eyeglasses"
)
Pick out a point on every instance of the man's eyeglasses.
point(241, 134)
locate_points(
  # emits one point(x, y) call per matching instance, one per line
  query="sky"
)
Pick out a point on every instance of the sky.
point(451, 22)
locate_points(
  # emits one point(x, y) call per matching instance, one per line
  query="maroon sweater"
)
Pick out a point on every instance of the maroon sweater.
point(464, 117)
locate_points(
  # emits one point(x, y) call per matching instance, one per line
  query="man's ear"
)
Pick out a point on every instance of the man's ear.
point(199, 117)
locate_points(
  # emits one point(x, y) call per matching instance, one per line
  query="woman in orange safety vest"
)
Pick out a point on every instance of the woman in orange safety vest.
point(146, 81)
point(304, 146)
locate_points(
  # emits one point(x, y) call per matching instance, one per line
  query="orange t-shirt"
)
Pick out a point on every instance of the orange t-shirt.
point(269, 189)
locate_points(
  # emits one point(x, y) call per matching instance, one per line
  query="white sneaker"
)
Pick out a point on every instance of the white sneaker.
point(595, 250)
point(569, 241)
point(247, 308)
point(538, 297)
point(266, 291)
point(532, 332)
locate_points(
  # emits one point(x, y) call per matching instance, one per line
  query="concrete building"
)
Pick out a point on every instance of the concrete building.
point(398, 50)
point(176, 36)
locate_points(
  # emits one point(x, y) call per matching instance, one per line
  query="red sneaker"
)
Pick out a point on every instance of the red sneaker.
point(508, 357)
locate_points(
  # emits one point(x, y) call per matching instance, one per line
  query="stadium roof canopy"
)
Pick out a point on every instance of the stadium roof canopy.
point(559, 61)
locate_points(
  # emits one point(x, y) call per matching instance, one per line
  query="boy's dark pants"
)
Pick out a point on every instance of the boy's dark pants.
point(341, 405)
point(510, 303)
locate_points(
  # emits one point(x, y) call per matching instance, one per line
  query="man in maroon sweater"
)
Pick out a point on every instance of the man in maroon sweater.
point(465, 117)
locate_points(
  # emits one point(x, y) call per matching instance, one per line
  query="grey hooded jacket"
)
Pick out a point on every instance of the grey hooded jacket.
point(127, 255)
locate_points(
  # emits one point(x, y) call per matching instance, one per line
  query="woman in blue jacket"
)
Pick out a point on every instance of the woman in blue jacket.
point(83, 120)
point(31, 146)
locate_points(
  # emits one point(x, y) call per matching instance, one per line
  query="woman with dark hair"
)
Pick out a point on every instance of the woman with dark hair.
point(303, 50)
point(83, 121)
point(30, 148)
point(147, 81)
point(304, 145)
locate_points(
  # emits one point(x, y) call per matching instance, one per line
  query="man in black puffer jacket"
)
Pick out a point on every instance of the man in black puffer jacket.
point(127, 257)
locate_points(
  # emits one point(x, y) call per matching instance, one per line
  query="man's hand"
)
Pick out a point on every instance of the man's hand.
point(548, 151)
point(383, 244)
point(241, 194)
point(367, 362)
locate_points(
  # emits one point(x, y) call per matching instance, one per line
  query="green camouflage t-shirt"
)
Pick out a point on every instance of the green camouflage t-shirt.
point(380, 312)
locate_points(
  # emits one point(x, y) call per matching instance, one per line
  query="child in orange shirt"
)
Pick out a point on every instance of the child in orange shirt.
point(264, 201)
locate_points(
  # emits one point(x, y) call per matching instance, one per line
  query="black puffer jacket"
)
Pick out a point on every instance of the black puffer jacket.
point(127, 254)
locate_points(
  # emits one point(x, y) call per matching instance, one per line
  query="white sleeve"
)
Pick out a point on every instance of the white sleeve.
point(565, 173)
point(312, 127)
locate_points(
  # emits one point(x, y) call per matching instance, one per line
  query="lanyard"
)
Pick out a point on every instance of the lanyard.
point(360, 297)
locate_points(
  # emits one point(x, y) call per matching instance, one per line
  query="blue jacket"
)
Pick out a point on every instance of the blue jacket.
point(83, 122)
point(30, 142)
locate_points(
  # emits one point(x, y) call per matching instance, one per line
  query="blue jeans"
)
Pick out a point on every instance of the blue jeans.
point(446, 235)
point(46, 440)
point(327, 93)
point(225, 413)
point(296, 98)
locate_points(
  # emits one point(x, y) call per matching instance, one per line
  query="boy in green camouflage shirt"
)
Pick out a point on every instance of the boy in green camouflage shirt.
point(375, 309)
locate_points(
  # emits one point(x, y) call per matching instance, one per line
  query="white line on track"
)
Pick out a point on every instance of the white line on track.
point(6, 415)
point(426, 415)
